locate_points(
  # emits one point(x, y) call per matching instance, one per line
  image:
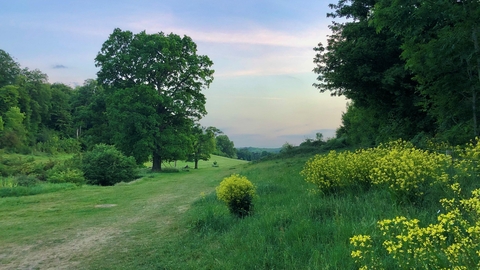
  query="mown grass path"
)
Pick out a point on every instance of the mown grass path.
point(73, 229)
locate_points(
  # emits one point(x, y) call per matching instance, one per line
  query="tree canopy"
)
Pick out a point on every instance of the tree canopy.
point(409, 69)
point(153, 84)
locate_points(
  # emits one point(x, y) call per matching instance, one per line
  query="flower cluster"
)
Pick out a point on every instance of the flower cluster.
point(339, 170)
point(410, 171)
point(453, 242)
point(403, 169)
point(237, 192)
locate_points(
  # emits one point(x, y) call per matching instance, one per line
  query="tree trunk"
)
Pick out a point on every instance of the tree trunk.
point(196, 163)
point(157, 162)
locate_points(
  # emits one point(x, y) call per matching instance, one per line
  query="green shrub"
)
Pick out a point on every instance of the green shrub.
point(237, 192)
point(26, 180)
point(5, 170)
point(7, 182)
point(66, 175)
point(39, 170)
point(106, 166)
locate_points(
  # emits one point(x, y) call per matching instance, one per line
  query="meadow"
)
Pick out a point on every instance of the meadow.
point(175, 221)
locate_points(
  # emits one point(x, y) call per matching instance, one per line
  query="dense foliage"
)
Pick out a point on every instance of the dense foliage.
point(410, 69)
point(225, 147)
point(153, 85)
point(104, 165)
point(148, 112)
point(407, 172)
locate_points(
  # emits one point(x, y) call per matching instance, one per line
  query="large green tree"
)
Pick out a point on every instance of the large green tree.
point(154, 81)
point(34, 100)
point(9, 69)
point(365, 66)
point(440, 44)
point(59, 116)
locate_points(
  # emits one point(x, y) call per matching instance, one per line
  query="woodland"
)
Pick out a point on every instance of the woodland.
point(145, 104)
point(411, 70)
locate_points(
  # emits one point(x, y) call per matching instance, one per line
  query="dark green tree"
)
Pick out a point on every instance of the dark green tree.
point(159, 78)
point(89, 113)
point(244, 154)
point(8, 98)
point(59, 114)
point(12, 132)
point(34, 101)
point(9, 69)
point(365, 66)
point(440, 44)
point(225, 147)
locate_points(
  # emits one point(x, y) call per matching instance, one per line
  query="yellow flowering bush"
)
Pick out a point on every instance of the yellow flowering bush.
point(339, 170)
point(409, 172)
point(453, 242)
point(403, 169)
point(329, 172)
point(237, 192)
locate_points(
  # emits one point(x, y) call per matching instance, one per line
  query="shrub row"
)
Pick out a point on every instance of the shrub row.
point(104, 165)
point(407, 172)
point(452, 242)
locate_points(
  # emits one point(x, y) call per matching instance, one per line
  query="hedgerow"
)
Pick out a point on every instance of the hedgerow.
point(398, 166)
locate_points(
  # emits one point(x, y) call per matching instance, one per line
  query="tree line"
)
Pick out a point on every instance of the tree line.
point(411, 69)
point(146, 100)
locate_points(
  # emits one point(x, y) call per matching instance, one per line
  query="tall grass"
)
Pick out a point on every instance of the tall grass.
point(291, 228)
point(18, 191)
point(174, 221)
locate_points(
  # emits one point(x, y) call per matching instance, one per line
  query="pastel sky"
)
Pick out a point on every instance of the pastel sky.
point(262, 94)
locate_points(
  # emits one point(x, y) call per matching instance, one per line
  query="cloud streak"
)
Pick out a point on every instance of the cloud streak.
point(59, 67)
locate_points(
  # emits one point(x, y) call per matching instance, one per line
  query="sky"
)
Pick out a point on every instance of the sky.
point(262, 93)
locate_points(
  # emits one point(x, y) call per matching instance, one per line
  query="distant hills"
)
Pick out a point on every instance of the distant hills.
point(255, 153)
point(260, 150)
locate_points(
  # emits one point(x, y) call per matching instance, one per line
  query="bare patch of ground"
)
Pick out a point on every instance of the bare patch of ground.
point(58, 253)
point(105, 205)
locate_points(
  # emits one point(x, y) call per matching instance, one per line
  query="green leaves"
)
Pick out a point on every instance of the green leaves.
point(153, 84)
point(106, 166)
point(438, 46)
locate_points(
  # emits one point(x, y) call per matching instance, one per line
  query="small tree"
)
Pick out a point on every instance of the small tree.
point(106, 166)
point(203, 145)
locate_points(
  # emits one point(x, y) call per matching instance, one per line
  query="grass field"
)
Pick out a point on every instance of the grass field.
point(72, 229)
point(174, 221)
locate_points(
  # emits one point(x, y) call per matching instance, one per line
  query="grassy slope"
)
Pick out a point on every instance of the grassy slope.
point(65, 229)
point(163, 222)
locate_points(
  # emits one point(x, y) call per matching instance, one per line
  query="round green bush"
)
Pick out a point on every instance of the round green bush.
point(106, 166)
point(237, 192)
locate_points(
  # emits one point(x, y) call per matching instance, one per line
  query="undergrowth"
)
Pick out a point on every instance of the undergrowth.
point(34, 190)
